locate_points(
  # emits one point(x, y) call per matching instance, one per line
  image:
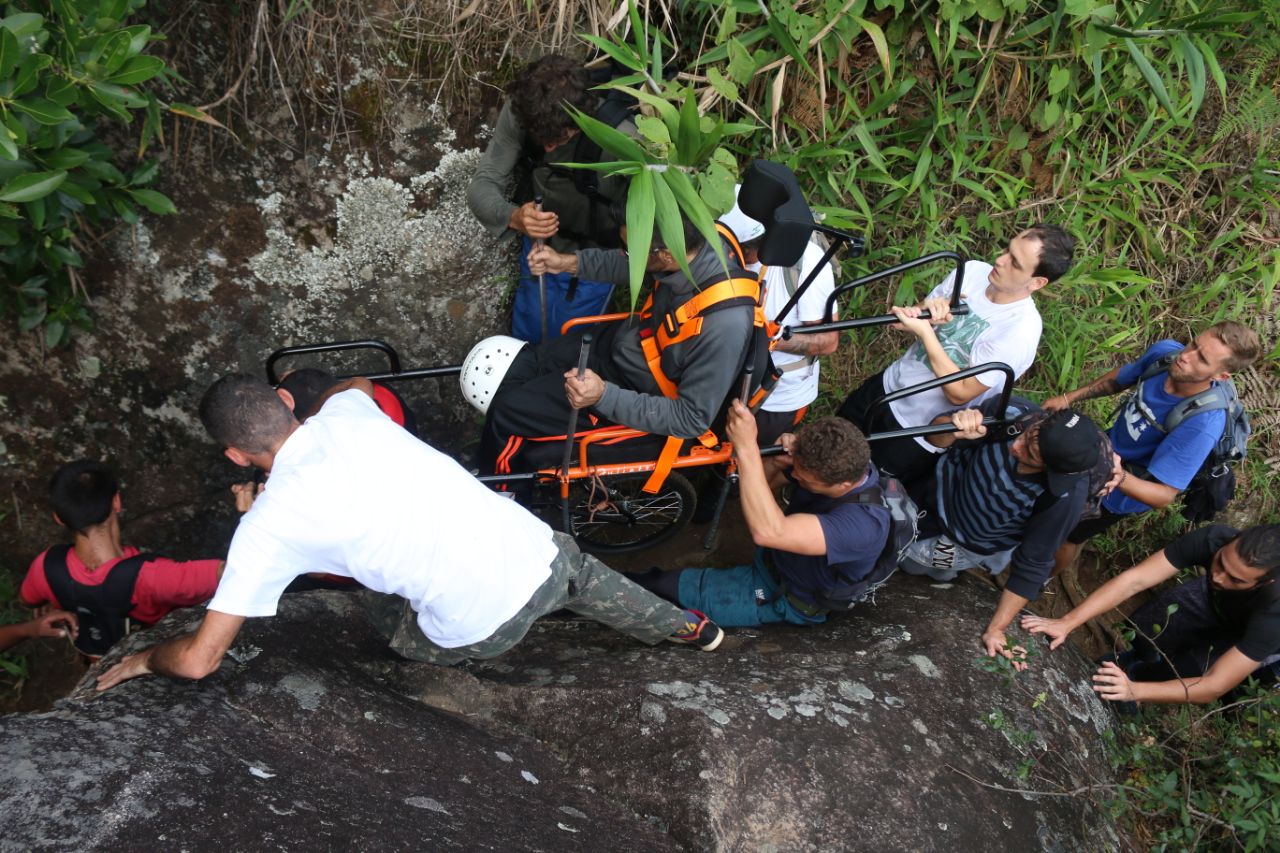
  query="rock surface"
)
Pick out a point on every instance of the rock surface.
point(876, 731)
point(281, 243)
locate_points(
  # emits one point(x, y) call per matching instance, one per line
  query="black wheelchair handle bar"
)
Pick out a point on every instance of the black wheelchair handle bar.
point(898, 269)
point(909, 432)
point(856, 246)
point(393, 358)
point(858, 323)
point(395, 374)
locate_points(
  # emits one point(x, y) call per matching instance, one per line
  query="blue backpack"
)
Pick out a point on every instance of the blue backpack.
point(1214, 485)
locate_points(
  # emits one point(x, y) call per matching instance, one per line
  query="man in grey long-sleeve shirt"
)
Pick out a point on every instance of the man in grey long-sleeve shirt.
point(534, 136)
point(539, 391)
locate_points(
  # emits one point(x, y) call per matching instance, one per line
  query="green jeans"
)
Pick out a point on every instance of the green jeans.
point(579, 582)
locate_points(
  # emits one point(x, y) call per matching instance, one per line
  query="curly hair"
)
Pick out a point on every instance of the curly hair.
point(540, 94)
point(833, 450)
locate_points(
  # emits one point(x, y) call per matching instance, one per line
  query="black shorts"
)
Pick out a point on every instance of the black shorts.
point(1091, 527)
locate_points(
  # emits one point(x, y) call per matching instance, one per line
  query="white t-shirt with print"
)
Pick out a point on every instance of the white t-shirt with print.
point(353, 494)
point(1008, 332)
point(797, 387)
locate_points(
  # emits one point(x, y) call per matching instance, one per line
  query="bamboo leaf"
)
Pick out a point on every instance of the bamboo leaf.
point(640, 218)
point(667, 215)
point(876, 34)
point(622, 54)
point(689, 136)
point(695, 209)
point(609, 138)
point(1194, 63)
point(1215, 70)
point(921, 170)
point(1151, 75)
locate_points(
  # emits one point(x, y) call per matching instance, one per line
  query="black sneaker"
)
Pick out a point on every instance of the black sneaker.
point(698, 631)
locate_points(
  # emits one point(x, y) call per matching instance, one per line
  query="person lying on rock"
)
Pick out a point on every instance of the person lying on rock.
point(110, 586)
point(463, 571)
point(1002, 325)
point(1200, 639)
point(817, 554)
point(695, 359)
point(1005, 502)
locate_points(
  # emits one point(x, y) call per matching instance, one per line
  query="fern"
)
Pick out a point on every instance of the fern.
point(1255, 115)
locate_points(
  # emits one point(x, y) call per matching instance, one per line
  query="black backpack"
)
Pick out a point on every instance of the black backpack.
point(103, 610)
point(902, 532)
point(1214, 485)
point(613, 109)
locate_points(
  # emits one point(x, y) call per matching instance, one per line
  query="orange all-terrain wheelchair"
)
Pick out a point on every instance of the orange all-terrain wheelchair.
point(617, 489)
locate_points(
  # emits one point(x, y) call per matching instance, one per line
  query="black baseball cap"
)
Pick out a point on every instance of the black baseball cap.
point(1070, 444)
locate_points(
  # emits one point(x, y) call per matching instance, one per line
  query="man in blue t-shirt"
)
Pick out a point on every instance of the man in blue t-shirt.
point(1161, 464)
point(821, 549)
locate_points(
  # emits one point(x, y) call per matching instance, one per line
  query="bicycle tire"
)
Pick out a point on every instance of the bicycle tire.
point(627, 518)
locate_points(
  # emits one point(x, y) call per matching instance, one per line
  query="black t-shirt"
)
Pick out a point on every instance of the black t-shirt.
point(1254, 613)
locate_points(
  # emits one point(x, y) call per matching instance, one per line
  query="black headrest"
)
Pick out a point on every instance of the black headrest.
point(771, 196)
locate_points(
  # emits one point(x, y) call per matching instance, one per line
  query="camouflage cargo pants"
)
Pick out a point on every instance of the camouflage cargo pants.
point(578, 582)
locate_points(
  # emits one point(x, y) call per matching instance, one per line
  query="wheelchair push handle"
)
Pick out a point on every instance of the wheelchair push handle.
point(883, 319)
point(931, 429)
point(394, 373)
point(393, 358)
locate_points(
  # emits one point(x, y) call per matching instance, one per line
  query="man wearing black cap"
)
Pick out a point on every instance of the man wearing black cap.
point(1007, 501)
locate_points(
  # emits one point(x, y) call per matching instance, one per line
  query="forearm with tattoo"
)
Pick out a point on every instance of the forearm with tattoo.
point(800, 345)
point(1106, 386)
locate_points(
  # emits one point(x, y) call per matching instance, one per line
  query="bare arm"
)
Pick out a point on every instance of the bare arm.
point(822, 343)
point(800, 533)
point(1104, 386)
point(55, 623)
point(190, 656)
point(1110, 682)
point(1153, 570)
point(1151, 493)
point(957, 393)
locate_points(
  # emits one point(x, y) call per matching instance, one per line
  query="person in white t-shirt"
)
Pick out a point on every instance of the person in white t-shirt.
point(796, 358)
point(353, 494)
point(1002, 325)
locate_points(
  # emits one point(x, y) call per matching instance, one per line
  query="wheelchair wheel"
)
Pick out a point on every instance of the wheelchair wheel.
point(621, 517)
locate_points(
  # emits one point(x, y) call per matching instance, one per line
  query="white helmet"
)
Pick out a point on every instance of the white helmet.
point(743, 227)
point(484, 368)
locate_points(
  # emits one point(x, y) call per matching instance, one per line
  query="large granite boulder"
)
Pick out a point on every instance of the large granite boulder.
point(877, 731)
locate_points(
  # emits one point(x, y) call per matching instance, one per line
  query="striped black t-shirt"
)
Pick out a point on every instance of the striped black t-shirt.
point(984, 502)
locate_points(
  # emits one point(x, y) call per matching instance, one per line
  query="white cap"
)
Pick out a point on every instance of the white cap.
point(743, 227)
point(484, 368)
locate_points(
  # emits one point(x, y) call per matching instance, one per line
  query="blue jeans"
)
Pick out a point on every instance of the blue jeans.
point(740, 597)
point(567, 297)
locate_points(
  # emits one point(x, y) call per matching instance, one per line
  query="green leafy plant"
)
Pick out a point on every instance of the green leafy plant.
point(678, 164)
point(67, 68)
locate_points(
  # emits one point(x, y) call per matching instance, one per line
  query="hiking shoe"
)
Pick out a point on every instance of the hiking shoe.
point(698, 631)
